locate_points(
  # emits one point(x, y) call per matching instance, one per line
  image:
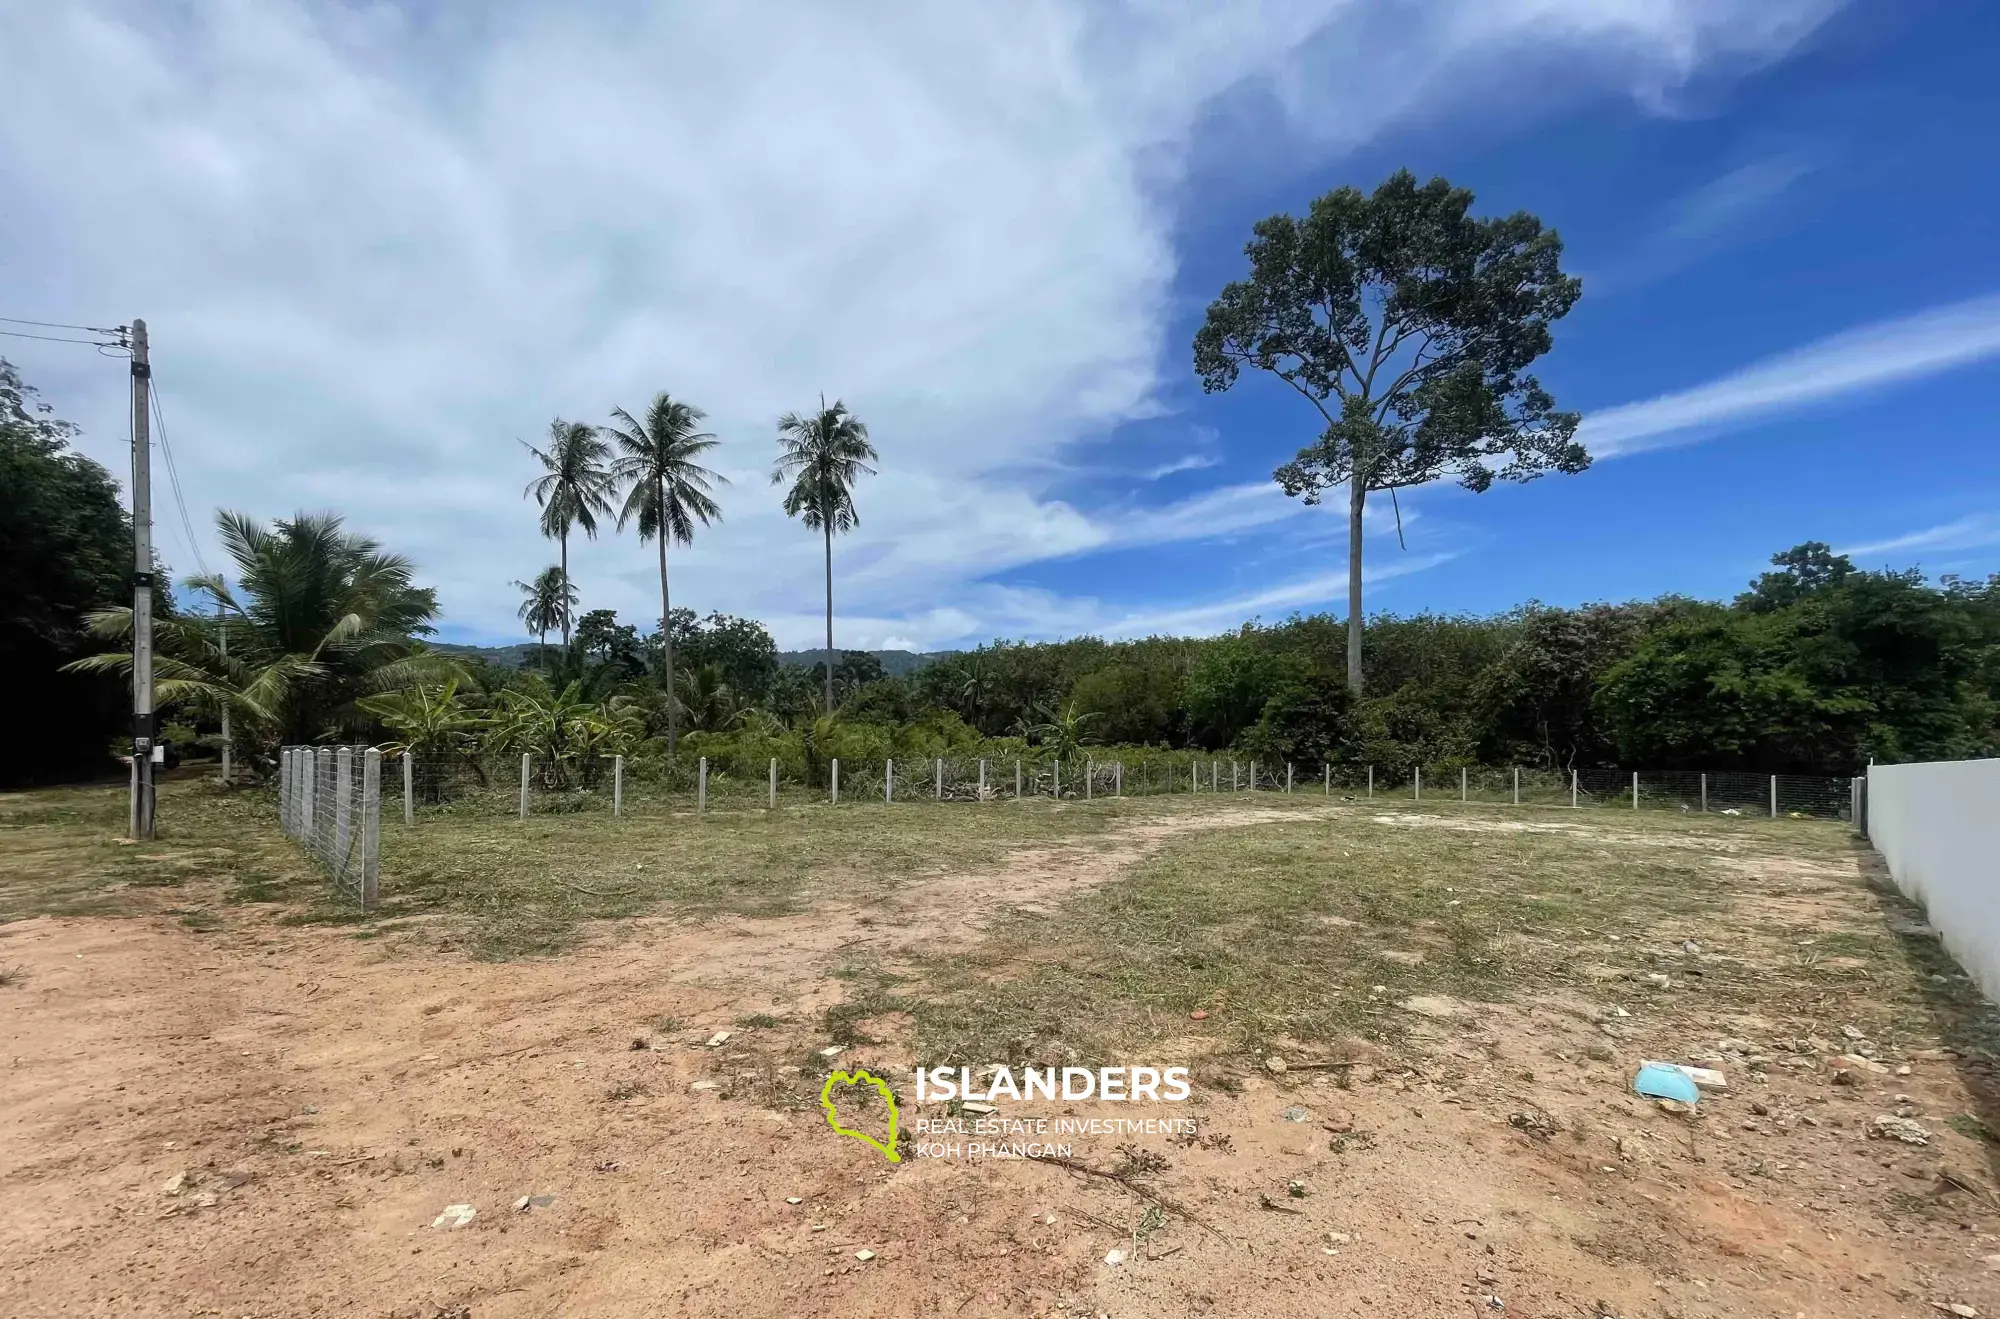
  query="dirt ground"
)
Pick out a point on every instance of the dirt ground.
point(267, 1119)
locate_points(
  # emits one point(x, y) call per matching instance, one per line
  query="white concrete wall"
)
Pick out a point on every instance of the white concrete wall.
point(1938, 826)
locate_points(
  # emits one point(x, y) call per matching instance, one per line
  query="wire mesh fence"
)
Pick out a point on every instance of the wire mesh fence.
point(613, 785)
point(330, 800)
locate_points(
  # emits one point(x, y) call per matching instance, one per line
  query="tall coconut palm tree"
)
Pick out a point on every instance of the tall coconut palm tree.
point(574, 490)
point(547, 602)
point(670, 494)
point(822, 454)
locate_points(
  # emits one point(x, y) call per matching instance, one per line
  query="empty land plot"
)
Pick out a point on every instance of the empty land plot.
point(1412, 1033)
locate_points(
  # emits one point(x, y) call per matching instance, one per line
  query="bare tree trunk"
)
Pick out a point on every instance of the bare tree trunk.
point(827, 528)
point(667, 627)
point(564, 602)
point(1357, 493)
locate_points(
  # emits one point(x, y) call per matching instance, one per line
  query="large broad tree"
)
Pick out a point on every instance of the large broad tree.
point(574, 489)
point(671, 494)
point(65, 550)
point(823, 454)
point(1408, 324)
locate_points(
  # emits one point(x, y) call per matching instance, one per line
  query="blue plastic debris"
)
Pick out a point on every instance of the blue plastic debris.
point(1657, 1082)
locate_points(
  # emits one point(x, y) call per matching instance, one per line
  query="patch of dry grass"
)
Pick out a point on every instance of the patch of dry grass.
point(506, 887)
point(1313, 931)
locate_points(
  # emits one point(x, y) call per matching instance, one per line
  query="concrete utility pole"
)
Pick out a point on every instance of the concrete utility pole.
point(142, 588)
point(222, 627)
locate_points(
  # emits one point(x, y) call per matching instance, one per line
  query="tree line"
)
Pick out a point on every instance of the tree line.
point(1406, 323)
point(318, 633)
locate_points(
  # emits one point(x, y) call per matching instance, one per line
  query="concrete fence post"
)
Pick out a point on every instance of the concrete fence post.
point(938, 770)
point(1329, 780)
point(1215, 776)
point(889, 781)
point(1089, 773)
point(1118, 778)
point(617, 785)
point(835, 800)
point(1288, 778)
point(526, 761)
point(306, 777)
point(1572, 789)
point(1235, 784)
point(1774, 796)
point(409, 790)
point(1517, 785)
point(982, 778)
point(1704, 793)
point(326, 761)
point(343, 808)
point(1461, 783)
point(371, 827)
point(1017, 778)
point(1417, 785)
point(701, 786)
point(1058, 781)
point(1635, 789)
point(1371, 783)
point(772, 796)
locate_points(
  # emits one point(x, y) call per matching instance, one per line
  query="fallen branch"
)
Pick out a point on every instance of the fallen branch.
point(1089, 1217)
point(1975, 1191)
point(1171, 1206)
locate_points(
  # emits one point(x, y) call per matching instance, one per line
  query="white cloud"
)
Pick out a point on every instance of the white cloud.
point(377, 244)
point(1193, 462)
point(1967, 533)
point(1870, 357)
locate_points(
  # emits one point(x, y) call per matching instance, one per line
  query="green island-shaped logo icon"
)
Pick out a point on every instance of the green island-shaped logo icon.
point(887, 1151)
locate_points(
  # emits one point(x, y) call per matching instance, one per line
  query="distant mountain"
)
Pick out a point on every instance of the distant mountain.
point(895, 663)
point(508, 657)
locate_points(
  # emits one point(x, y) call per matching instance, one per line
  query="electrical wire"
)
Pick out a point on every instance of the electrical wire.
point(62, 325)
point(174, 476)
point(50, 338)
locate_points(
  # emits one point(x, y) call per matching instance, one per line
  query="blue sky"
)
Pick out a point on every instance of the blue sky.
point(379, 244)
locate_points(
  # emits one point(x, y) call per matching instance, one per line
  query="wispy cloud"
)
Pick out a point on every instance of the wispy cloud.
point(1727, 210)
point(1967, 533)
point(1870, 357)
point(1720, 208)
point(986, 611)
point(1320, 590)
point(1193, 462)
